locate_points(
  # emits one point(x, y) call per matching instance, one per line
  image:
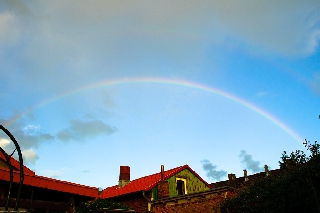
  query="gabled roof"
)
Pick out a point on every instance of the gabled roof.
point(31, 179)
point(144, 183)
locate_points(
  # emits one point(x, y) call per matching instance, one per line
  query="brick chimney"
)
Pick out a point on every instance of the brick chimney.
point(245, 175)
point(124, 177)
point(163, 185)
point(231, 176)
point(266, 170)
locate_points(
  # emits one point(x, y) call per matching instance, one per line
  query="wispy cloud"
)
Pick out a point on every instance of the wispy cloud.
point(249, 163)
point(31, 136)
point(55, 173)
point(108, 100)
point(270, 24)
point(262, 94)
point(265, 94)
point(80, 130)
point(92, 41)
point(31, 128)
point(315, 83)
point(212, 171)
point(9, 31)
point(27, 135)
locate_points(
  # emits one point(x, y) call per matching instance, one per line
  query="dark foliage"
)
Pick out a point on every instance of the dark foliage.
point(99, 205)
point(295, 189)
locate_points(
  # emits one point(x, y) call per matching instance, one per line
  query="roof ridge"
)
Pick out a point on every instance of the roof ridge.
point(166, 171)
point(144, 183)
point(64, 181)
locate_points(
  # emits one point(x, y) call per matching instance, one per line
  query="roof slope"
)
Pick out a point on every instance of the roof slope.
point(50, 183)
point(144, 183)
point(31, 179)
point(16, 164)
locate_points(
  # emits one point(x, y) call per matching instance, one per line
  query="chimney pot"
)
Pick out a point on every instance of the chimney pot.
point(162, 172)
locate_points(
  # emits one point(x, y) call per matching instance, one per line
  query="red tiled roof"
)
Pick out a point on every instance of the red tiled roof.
point(16, 164)
point(31, 179)
point(144, 183)
point(50, 183)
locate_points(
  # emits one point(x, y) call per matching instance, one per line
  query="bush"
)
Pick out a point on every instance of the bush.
point(294, 189)
point(99, 204)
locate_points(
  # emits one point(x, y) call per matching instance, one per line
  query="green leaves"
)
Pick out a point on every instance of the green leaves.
point(99, 204)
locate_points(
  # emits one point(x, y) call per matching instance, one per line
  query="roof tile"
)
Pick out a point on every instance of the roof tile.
point(49, 183)
point(144, 183)
point(16, 164)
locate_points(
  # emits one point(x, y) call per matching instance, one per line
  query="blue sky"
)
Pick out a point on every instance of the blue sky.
point(219, 85)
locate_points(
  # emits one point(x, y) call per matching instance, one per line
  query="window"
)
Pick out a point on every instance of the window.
point(181, 186)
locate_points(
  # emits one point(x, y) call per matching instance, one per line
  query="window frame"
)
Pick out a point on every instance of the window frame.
point(184, 186)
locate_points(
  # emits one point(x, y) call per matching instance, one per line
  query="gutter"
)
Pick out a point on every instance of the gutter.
point(149, 201)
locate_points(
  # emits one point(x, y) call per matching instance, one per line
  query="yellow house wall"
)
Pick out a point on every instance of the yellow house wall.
point(193, 183)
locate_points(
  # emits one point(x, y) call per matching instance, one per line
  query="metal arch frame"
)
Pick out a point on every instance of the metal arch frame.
point(11, 171)
point(11, 176)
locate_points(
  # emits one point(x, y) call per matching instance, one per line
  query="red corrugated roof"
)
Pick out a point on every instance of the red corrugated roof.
point(144, 183)
point(50, 183)
point(31, 179)
point(16, 164)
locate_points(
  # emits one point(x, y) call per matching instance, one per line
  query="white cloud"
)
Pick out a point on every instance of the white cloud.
point(29, 156)
point(31, 128)
point(6, 145)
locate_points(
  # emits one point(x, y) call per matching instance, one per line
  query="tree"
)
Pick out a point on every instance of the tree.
point(295, 189)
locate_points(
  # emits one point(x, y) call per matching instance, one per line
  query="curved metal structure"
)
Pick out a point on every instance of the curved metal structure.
point(11, 176)
point(11, 172)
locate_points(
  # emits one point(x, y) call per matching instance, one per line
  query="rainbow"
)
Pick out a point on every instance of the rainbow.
point(182, 83)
